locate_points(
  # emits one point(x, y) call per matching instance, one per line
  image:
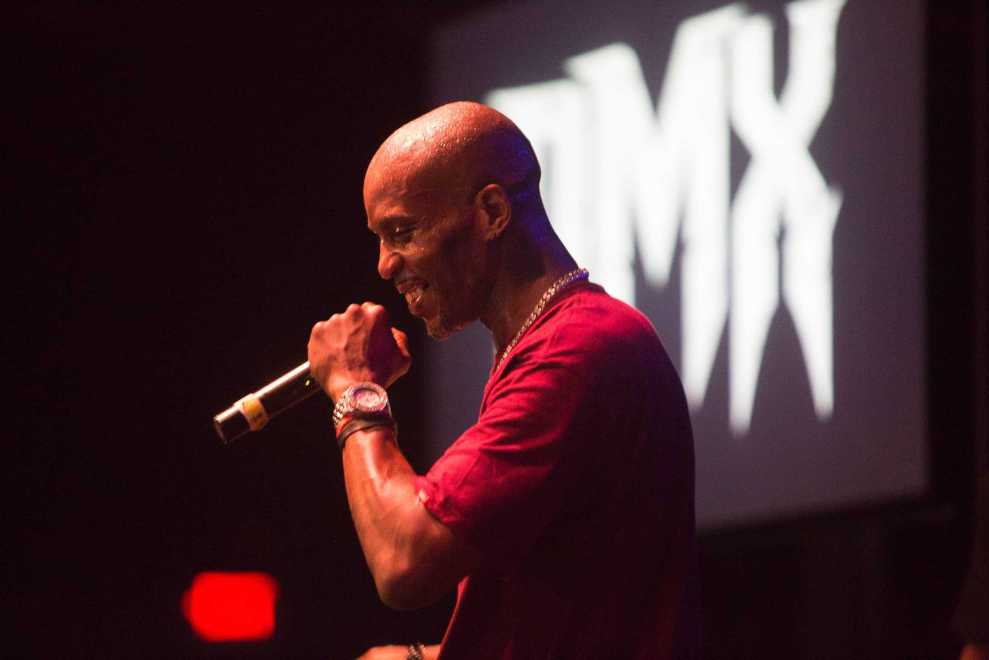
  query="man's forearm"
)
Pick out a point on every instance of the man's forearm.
point(414, 559)
point(380, 487)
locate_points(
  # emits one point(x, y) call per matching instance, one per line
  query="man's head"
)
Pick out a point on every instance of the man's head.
point(441, 194)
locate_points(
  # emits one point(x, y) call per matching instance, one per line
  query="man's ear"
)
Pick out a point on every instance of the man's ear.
point(495, 208)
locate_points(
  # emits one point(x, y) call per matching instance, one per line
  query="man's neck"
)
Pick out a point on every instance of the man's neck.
point(518, 289)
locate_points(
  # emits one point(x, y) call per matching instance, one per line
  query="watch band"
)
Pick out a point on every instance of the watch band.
point(352, 425)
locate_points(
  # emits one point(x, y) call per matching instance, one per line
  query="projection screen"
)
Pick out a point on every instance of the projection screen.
point(750, 177)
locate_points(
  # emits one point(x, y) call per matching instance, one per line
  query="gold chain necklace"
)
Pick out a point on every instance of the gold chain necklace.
point(557, 286)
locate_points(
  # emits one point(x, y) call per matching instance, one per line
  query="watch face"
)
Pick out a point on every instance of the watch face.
point(368, 400)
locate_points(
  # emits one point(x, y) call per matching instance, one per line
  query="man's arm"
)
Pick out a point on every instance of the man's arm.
point(413, 557)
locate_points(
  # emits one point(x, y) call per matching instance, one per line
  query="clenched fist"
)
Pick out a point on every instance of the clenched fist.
point(357, 346)
point(398, 653)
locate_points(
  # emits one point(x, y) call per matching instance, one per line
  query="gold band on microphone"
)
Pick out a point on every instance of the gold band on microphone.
point(253, 411)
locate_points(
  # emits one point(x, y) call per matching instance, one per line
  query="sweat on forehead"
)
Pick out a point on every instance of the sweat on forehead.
point(462, 141)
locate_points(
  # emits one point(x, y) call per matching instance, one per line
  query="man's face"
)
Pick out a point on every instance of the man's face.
point(430, 248)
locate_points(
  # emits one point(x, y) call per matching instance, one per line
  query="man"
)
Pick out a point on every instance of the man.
point(564, 516)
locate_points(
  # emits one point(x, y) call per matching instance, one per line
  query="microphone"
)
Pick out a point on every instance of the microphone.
point(253, 411)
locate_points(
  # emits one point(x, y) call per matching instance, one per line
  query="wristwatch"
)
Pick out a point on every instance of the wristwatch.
point(362, 401)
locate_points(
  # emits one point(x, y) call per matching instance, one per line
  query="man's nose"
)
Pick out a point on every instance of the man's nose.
point(388, 261)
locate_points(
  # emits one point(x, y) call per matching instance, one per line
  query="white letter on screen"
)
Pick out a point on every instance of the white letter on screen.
point(782, 180)
point(553, 115)
point(652, 165)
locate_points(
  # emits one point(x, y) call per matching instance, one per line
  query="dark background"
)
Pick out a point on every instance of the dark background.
point(185, 202)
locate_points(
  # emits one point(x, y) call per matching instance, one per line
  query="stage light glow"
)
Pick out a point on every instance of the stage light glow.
point(231, 606)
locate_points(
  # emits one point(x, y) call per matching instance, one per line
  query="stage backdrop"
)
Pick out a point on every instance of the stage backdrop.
point(748, 175)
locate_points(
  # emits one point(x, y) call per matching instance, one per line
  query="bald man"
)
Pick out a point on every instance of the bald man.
point(565, 516)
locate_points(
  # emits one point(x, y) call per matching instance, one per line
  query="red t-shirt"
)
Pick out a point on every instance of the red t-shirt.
point(577, 484)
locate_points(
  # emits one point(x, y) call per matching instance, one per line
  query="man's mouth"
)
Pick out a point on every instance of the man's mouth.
point(412, 291)
point(413, 295)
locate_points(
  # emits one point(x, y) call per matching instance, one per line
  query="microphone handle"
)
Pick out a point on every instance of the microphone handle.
point(253, 411)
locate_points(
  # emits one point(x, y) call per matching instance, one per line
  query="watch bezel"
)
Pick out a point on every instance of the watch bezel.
point(350, 406)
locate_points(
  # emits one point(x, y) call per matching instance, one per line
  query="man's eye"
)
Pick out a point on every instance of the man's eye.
point(402, 234)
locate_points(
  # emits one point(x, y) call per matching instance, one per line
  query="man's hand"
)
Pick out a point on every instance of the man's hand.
point(975, 652)
point(398, 653)
point(357, 346)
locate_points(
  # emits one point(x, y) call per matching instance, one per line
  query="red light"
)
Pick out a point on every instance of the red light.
point(227, 607)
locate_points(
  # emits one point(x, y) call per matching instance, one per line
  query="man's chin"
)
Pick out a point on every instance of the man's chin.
point(437, 331)
point(440, 328)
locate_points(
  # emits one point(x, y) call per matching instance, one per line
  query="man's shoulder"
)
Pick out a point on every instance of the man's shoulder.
point(589, 326)
point(591, 311)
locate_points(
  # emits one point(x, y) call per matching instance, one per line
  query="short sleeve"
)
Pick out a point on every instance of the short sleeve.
point(503, 480)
